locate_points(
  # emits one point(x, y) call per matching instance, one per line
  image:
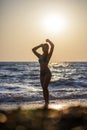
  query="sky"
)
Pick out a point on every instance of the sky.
point(28, 23)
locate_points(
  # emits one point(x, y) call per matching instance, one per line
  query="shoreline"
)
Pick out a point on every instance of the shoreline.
point(54, 104)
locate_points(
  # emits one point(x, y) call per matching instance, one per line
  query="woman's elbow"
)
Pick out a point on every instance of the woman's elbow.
point(33, 49)
point(52, 45)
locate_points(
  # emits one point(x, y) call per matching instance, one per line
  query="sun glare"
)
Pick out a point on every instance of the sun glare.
point(54, 23)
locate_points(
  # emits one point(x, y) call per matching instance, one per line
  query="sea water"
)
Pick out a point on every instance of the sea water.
point(20, 82)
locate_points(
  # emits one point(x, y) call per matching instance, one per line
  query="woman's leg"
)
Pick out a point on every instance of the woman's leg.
point(46, 82)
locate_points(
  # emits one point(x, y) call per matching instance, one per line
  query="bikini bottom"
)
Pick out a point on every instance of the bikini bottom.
point(44, 73)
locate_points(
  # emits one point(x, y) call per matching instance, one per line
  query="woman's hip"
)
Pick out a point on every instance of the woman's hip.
point(45, 73)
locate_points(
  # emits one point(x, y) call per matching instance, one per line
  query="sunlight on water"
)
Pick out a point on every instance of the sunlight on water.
point(56, 106)
point(20, 82)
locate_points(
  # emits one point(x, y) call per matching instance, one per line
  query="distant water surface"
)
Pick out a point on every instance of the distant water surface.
point(20, 82)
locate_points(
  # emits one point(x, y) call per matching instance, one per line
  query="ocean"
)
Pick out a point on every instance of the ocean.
point(20, 82)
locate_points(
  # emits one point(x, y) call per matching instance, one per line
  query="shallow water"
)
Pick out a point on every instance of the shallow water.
point(19, 82)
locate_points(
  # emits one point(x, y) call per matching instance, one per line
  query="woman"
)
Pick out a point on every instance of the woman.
point(45, 74)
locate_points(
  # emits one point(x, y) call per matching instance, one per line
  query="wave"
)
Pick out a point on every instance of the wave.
point(69, 83)
point(21, 81)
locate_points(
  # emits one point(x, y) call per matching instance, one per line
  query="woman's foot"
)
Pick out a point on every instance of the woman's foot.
point(46, 106)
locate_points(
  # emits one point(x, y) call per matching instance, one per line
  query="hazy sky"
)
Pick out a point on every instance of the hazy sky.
point(22, 27)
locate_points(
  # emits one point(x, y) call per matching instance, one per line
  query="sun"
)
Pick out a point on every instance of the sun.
point(53, 23)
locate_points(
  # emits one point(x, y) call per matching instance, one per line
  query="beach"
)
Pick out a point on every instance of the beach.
point(43, 64)
point(34, 117)
point(21, 97)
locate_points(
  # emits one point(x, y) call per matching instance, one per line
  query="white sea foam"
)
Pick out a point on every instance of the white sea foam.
point(20, 81)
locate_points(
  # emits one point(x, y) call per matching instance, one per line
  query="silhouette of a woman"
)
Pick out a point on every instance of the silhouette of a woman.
point(45, 74)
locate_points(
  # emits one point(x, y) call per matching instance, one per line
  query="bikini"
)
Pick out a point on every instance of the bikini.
point(41, 59)
point(45, 72)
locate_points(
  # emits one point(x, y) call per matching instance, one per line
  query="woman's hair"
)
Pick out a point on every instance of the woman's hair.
point(45, 44)
point(45, 47)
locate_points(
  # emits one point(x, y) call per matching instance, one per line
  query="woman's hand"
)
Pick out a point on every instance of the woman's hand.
point(47, 40)
point(50, 42)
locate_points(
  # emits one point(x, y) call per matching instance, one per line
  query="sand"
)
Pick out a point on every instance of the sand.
point(34, 117)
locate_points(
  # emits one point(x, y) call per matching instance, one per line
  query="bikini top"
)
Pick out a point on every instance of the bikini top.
point(41, 59)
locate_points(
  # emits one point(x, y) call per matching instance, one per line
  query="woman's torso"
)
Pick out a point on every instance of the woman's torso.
point(44, 64)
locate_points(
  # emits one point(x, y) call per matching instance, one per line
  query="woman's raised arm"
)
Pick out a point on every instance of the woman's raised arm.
point(52, 47)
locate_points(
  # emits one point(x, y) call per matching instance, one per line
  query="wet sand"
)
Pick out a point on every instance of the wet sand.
point(56, 117)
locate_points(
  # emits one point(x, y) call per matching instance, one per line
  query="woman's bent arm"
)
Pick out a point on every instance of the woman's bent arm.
point(35, 50)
